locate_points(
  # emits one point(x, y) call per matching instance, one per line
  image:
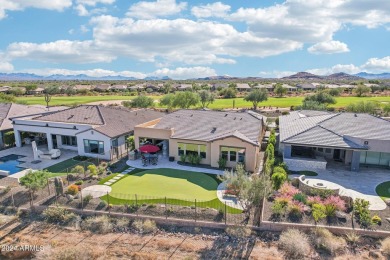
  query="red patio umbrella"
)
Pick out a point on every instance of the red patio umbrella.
point(148, 148)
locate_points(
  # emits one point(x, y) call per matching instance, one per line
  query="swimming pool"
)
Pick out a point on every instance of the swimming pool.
point(9, 164)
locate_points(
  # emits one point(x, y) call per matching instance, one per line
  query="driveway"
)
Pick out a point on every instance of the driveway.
point(360, 184)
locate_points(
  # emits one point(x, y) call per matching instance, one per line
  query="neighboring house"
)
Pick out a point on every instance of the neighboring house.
point(5, 89)
point(269, 87)
point(103, 87)
point(153, 87)
point(184, 87)
point(94, 131)
point(84, 87)
point(289, 87)
point(312, 139)
point(36, 91)
point(306, 86)
point(119, 87)
point(217, 86)
point(10, 110)
point(234, 136)
point(243, 87)
point(138, 87)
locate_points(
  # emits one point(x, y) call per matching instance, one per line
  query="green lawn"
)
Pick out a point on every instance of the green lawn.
point(172, 186)
point(383, 190)
point(218, 103)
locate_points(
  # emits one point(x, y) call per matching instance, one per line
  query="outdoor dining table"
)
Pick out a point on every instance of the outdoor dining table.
point(150, 158)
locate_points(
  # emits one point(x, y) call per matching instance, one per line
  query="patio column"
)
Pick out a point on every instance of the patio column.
point(355, 163)
point(287, 151)
point(18, 138)
point(49, 142)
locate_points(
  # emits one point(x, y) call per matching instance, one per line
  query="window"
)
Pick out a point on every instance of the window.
point(197, 149)
point(320, 149)
point(92, 146)
point(114, 142)
point(69, 140)
point(233, 154)
point(327, 150)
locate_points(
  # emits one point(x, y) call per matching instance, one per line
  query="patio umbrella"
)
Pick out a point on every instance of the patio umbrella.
point(148, 148)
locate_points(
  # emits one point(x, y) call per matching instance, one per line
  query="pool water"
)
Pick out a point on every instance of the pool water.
point(10, 163)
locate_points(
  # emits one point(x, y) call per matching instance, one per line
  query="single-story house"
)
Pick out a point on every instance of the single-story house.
point(269, 87)
point(119, 87)
point(103, 87)
point(217, 86)
point(234, 136)
point(37, 91)
point(138, 87)
point(93, 131)
point(184, 87)
point(289, 87)
point(306, 86)
point(10, 110)
point(83, 87)
point(5, 89)
point(313, 139)
point(242, 87)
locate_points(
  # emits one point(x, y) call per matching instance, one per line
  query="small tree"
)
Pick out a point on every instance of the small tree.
point(130, 143)
point(9, 138)
point(361, 90)
point(167, 88)
point(386, 109)
point(256, 96)
point(79, 170)
point(167, 101)
point(206, 98)
point(140, 101)
point(92, 169)
point(280, 90)
point(363, 107)
point(185, 99)
point(34, 181)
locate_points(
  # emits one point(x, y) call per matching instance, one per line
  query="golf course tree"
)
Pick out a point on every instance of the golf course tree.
point(280, 90)
point(34, 181)
point(250, 189)
point(361, 89)
point(185, 99)
point(167, 88)
point(167, 101)
point(368, 107)
point(256, 96)
point(206, 98)
point(140, 101)
point(318, 101)
point(386, 109)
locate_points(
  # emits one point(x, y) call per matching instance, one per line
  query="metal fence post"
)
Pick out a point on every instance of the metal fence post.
point(81, 198)
point(225, 213)
point(136, 200)
point(48, 186)
point(166, 210)
point(195, 210)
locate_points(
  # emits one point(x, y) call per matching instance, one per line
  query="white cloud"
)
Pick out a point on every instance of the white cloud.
point(377, 65)
point(313, 21)
point(12, 5)
point(59, 51)
point(160, 8)
point(329, 47)
point(216, 9)
point(95, 2)
point(346, 68)
point(6, 66)
point(81, 10)
point(185, 72)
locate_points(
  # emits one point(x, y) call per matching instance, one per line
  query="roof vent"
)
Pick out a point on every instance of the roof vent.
point(355, 115)
point(191, 115)
point(71, 116)
point(241, 118)
point(235, 118)
point(226, 115)
point(213, 130)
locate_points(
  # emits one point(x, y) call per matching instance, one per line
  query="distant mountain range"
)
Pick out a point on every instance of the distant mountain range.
point(31, 77)
point(297, 76)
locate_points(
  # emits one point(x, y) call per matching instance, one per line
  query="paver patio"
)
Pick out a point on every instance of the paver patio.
point(360, 184)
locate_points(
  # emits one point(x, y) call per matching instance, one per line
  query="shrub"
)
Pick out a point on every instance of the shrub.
point(336, 201)
point(73, 190)
point(145, 227)
point(58, 215)
point(278, 208)
point(324, 239)
point(300, 197)
point(222, 163)
point(278, 178)
point(284, 200)
point(295, 209)
point(80, 182)
point(183, 158)
point(100, 170)
point(362, 213)
point(385, 246)
point(288, 190)
point(78, 170)
point(352, 238)
point(92, 169)
point(323, 193)
point(238, 231)
point(330, 210)
point(376, 220)
point(102, 204)
point(100, 224)
point(313, 200)
point(318, 212)
point(232, 189)
point(87, 199)
point(294, 243)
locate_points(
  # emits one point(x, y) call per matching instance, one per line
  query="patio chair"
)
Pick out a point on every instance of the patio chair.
point(154, 160)
point(144, 160)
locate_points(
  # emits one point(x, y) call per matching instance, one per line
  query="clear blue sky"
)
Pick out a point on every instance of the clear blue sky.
point(188, 39)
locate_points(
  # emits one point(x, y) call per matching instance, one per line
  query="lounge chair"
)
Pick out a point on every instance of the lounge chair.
point(52, 154)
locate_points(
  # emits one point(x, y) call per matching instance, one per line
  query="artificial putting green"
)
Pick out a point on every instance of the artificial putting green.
point(175, 187)
point(383, 190)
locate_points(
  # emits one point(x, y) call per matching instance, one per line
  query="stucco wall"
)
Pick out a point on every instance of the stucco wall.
point(94, 135)
point(373, 145)
point(173, 149)
point(297, 164)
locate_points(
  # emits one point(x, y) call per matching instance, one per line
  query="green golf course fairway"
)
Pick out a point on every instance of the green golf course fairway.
point(168, 183)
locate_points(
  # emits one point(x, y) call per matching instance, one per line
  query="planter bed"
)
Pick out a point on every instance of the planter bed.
point(308, 219)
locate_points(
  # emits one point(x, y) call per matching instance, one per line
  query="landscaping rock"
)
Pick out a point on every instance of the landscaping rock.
point(341, 215)
point(387, 201)
point(388, 219)
point(348, 201)
point(295, 182)
point(375, 254)
point(69, 197)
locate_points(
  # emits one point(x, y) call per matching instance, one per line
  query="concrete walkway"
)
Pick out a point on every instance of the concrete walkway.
point(165, 163)
point(96, 191)
point(360, 184)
